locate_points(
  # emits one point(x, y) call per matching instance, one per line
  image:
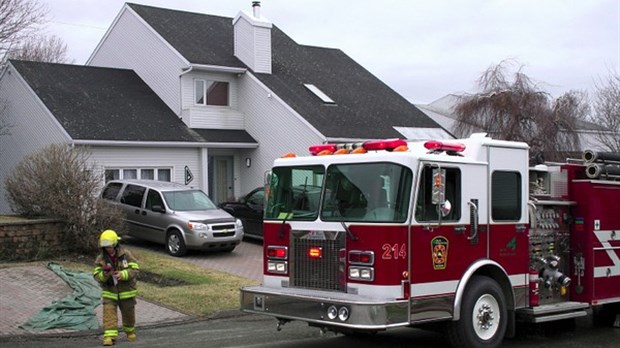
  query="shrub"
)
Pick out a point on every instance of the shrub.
point(59, 182)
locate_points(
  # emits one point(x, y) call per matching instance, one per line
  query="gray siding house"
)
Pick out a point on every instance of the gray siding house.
point(168, 93)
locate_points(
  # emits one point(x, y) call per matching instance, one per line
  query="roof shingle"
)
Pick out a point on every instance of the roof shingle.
point(93, 103)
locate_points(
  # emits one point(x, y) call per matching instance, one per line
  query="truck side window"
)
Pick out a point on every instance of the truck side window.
point(506, 196)
point(425, 209)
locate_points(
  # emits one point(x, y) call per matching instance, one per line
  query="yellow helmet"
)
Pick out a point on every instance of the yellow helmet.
point(108, 238)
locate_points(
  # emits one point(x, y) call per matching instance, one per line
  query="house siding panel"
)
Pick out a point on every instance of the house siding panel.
point(32, 128)
point(141, 157)
point(253, 45)
point(275, 127)
point(262, 47)
point(243, 42)
point(160, 68)
point(214, 117)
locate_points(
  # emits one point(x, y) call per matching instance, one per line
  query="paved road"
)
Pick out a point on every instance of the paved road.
point(259, 332)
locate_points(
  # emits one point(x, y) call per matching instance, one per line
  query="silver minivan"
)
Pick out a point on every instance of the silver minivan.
point(178, 216)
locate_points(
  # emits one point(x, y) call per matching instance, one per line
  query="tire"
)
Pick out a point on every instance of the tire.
point(175, 244)
point(483, 316)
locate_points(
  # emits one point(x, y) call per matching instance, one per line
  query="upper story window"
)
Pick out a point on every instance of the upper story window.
point(207, 92)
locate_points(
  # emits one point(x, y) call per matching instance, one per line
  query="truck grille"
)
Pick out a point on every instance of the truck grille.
point(324, 273)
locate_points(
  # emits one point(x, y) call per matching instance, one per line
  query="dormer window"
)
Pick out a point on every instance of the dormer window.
point(314, 89)
point(208, 92)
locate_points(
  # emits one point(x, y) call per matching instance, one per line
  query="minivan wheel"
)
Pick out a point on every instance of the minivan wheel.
point(175, 244)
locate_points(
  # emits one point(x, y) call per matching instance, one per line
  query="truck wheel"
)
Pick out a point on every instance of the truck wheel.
point(483, 316)
point(175, 244)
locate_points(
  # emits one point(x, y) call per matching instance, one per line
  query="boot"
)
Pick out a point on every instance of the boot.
point(108, 341)
point(131, 336)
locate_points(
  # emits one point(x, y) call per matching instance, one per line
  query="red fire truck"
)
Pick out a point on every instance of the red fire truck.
point(383, 234)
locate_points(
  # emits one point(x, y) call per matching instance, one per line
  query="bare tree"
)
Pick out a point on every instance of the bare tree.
point(19, 19)
point(607, 111)
point(49, 49)
point(519, 110)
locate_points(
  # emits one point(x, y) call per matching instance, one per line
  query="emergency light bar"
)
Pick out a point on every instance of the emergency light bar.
point(373, 145)
point(435, 145)
point(388, 145)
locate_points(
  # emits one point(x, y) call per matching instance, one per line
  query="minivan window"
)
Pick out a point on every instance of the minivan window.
point(188, 200)
point(111, 191)
point(133, 195)
point(153, 198)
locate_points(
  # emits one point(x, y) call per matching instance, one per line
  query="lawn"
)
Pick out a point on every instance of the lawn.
point(179, 285)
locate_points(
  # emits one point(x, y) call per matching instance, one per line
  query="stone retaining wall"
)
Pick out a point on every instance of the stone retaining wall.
point(23, 240)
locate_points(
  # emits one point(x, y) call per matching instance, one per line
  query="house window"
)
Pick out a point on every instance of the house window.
point(211, 92)
point(161, 174)
point(130, 173)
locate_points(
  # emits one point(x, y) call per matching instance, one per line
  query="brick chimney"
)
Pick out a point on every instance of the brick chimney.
point(252, 34)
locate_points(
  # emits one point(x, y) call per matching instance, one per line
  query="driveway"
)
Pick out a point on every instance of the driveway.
point(245, 261)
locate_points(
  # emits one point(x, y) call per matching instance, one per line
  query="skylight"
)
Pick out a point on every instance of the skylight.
point(314, 89)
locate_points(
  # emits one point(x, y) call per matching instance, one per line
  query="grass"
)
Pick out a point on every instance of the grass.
point(203, 293)
point(198, 291)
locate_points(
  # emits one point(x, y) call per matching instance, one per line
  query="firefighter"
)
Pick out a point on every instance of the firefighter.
point(116, 270)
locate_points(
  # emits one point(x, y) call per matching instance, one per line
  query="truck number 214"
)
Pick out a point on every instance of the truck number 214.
point(394, 251)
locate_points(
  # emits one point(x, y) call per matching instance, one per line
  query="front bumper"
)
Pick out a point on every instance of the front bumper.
point(212, 241)
point(312, 306)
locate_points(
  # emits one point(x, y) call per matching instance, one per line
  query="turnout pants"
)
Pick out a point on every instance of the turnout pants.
point(110, 316)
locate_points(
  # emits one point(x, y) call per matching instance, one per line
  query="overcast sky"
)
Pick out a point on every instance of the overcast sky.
point(423, 49)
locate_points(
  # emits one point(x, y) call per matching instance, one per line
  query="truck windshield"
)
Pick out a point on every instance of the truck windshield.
point(188, 200)
point(370, 192)
point(294, 193)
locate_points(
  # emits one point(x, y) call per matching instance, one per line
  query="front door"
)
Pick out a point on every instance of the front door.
point(221, 182)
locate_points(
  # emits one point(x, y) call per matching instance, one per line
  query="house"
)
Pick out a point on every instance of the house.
point(204, 100)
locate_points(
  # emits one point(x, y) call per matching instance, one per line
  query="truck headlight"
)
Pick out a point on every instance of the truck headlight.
point(239, 224)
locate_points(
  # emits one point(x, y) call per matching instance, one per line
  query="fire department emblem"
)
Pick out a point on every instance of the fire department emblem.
point(439, 250)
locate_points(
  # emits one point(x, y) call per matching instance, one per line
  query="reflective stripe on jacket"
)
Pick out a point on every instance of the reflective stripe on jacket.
point(128, 267)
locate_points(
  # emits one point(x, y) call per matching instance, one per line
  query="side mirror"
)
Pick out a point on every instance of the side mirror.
point(158, 209)
point(445, 208)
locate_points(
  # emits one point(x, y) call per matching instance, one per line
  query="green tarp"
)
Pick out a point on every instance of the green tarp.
point(73, 312)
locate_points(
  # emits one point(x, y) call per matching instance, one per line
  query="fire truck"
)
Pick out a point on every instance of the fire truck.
point(361, 238)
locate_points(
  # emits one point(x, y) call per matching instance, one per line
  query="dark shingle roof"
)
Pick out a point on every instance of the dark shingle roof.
point(93, 103)
point(189, 33)
point(225, 136)
point(365, 106)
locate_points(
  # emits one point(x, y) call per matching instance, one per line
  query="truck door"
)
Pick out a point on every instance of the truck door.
point(508, 196)
point(443, 241)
